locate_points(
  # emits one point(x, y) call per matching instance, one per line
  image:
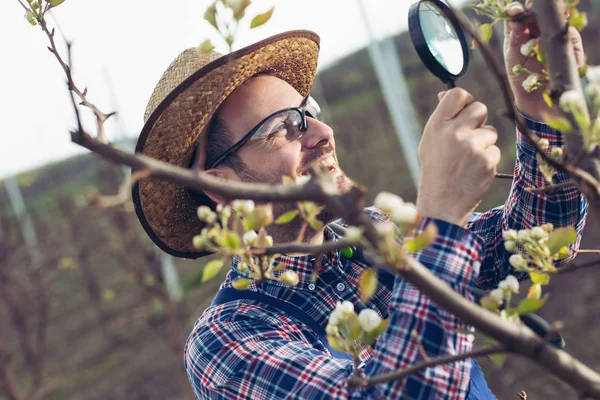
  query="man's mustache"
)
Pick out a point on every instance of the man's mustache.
point(314, 156)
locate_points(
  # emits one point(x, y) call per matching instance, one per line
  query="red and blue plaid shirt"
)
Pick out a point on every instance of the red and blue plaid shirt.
point(245, 349)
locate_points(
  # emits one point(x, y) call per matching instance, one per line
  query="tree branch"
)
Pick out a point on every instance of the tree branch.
point(396, 375)
point(301, 248)
point(574, 267)
point(551, 188)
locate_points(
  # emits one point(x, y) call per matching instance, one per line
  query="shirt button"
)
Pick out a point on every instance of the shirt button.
point(340, 287)
point(311, 286)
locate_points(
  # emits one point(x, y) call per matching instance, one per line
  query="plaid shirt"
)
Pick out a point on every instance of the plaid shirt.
point(244, 349)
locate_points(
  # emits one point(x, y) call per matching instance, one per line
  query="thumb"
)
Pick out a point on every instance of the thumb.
point(441, 95)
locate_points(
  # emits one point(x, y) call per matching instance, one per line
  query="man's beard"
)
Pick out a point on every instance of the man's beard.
point(289, 232)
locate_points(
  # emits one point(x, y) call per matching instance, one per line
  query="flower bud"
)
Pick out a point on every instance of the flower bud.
point(369, 320)
point(544, 144)
point(510, 245)
point(250, 238)
point(528, 48)
point(385, 228)
point(198, 241)
point(548, 227)
point(242, 206)
point(353, 234)
point(289, 278)
point(331, 330)
point(557, 152)
point(539, 233)
point(404, 214)
point(593, 74)
point(518, 69)
point(206, 214)
point(518, 262)
point(510, 234)
point(302, 179)
point(523, 235)
point(531, 83)
point(571, 99)
point(388, 202)
point(497, 295)
point(509, 284)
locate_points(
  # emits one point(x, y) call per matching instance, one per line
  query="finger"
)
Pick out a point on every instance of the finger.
point(515, 8)
point(473, 116)
point(485, 137)
point(441, 95)
point(452, 103)
point(529, 4)
point(493, 156)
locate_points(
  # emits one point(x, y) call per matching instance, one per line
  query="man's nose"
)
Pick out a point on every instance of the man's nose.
point(317, 134)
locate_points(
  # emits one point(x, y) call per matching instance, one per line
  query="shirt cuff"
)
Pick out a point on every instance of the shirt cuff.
point(541, 129)
point(455, 255)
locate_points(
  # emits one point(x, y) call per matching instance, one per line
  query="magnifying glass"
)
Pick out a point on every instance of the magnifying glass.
point(439, 40)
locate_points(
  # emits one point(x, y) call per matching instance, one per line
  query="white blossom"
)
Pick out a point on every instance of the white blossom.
point(331, 330)
point(593, 73)
point(290, 278)
point(510, 234)
point(369, 319)
point(531, 83)
point(388, 201)
point(557, 152)
point(497, 294)
point(249, 238)
point(517, 261)
point(353, 234)
point(548, 227)
point(571, 99)
point(404, 214)
point(341, 308)
point(509, 284)
point(384, 228)
point(243, 206)
point(206, 214)
point(527, 49)
point(593, 89)
point(539, 233)
point(269, 240)
point(523, 235)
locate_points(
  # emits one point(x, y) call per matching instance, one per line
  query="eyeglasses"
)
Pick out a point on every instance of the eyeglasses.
point(289, 123)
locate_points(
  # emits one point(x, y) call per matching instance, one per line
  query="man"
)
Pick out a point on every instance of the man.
point(228, 112)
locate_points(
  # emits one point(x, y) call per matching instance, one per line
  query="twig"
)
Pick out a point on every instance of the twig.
point(551, 188)
point(124, 193)
point(523, 395)
point(504, 176)
point(415, 336)
point(395, 375)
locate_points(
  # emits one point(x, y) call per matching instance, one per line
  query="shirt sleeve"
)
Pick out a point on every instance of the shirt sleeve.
point(261, 355)
point(524, 210)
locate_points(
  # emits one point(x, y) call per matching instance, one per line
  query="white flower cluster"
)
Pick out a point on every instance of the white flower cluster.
point(399, 211)
point(509, 285)
point(243, 206)
point(369, 319)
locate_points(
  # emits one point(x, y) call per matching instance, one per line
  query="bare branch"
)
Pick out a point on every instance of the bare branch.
point(574, 267)
point(422, 351)
point(396, 375)
point(504, 176)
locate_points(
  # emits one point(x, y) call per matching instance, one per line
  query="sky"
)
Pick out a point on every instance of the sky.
point(120, 50)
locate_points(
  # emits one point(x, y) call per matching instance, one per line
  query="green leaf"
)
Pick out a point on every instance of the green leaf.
point(232, 240)
point(559, 123)
point(548, 99)
point(498, 358)
point(241, 283)
point(539, 277)
point(287, 217)
point(485, 31)
point(206, 46)
point(561, 237)
point(211, 15)
point(535, 291)
point(261, 19)
point(527, 306)
point(367, 284)
point(315, 224)
point(55, 3)
point(336, 343)
point(578, 19)
point(211, 269)
point(423, 240)
point(238, 7)
point(30, 17)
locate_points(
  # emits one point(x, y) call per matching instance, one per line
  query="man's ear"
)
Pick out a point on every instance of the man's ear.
point(217, 173)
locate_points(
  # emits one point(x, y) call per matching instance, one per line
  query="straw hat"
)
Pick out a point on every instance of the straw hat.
point(180, 109)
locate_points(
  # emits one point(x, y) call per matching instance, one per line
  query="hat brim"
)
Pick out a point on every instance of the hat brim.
point(166, 210)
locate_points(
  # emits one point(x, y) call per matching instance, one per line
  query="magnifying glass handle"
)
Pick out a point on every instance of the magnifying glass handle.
point(450, 84)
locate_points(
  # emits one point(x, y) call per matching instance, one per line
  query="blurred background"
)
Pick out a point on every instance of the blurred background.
point(89, 307)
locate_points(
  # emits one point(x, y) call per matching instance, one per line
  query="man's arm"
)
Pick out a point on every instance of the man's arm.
point(251, 351)
point(523, 210)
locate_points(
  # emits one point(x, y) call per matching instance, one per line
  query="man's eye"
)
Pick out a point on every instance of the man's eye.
point(278, 130)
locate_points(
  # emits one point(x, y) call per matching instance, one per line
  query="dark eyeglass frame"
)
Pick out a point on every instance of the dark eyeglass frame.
point(302, 110)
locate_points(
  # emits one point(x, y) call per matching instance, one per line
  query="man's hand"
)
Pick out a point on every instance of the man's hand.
point(458, 158)
point(516, 35)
